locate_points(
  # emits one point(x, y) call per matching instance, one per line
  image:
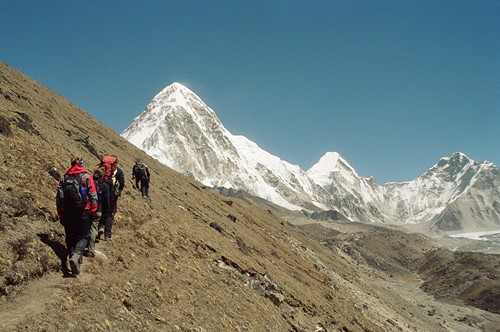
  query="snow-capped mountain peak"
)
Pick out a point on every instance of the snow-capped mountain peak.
point(331, 162)
point(181, 131)
point(174, 90)
point(457, 159)
point(180, 98)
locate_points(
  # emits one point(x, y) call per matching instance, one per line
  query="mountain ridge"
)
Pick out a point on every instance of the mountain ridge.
point(222, 159)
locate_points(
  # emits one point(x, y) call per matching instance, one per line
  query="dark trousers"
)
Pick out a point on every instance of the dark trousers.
point(145, 188)
point(108, 219)
point(108, 225)
point(76, 224)
point(113, 201)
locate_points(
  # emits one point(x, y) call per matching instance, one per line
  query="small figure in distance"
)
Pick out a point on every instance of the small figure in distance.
point(140, 172)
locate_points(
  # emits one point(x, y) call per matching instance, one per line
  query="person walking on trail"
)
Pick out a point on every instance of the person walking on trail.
point(136, 174)
point(103, 210)
point(76, 202)
point(117, 185)
point(140, 172)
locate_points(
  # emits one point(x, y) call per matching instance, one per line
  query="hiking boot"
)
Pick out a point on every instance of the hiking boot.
point(107, 239)
point(100, 233)
point(89, 254)
point(75, 265)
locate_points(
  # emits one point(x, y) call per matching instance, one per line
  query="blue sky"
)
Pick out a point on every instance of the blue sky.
point(392, 86)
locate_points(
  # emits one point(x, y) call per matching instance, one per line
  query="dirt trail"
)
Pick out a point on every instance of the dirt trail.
point(35, 296)
point(39, 294)
point(33, 299)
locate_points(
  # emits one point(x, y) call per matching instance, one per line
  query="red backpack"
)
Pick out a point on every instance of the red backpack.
point(109, 163)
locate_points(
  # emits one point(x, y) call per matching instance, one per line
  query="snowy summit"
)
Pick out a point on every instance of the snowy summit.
point(181, 131)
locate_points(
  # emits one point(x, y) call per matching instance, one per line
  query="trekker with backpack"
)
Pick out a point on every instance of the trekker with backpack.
point(140, 172)
point(76, 203)
point(116, 180)
point(103, 209)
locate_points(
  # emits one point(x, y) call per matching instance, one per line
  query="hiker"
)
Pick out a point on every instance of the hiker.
point(76, 203)
point(140, 172)
point(117, 182)
point(103, 210)
point(136, 173)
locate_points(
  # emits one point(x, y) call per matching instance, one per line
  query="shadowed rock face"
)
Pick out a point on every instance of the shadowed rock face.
point(185, 260)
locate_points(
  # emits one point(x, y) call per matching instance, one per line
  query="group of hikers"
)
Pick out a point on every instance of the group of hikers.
point(86, 204)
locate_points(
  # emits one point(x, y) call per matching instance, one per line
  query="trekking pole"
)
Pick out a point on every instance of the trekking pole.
point(54, 172)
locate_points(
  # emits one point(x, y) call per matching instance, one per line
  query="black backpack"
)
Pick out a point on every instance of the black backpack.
point(71, 192)
point(141, 171)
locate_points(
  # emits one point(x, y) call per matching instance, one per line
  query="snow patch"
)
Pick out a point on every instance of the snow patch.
point(475, 235)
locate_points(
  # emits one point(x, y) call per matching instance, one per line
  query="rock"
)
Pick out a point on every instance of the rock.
point(216, 226)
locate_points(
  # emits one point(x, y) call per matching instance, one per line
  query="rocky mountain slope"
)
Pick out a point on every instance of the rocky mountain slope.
point(191, 259)
point(456, 194)
point(181, 131)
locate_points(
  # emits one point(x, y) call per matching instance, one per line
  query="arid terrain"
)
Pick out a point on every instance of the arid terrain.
point(190, 259)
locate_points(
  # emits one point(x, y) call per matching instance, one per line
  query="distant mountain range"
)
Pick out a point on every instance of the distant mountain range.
point(181, 131)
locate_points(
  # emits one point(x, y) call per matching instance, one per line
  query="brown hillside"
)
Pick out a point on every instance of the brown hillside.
point(461, 277)
point(167, 268)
